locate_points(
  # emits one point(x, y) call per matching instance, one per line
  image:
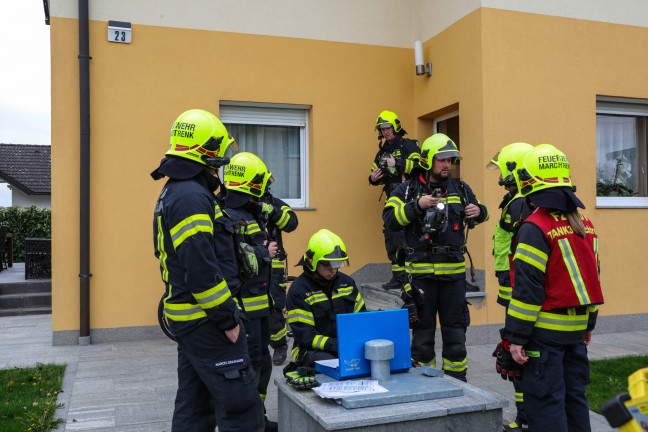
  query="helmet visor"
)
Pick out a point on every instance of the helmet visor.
point(233, 144)
point(334, 263)
point(493, 165)
point(447, 155)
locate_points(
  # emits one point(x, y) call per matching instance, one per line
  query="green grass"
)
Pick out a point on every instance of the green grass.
point(28, 397)
point(610, 378)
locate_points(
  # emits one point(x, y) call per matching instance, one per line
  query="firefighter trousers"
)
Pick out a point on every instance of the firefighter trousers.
point(393, 242)
point(554, 387)
point(215, 384)
point(258, 337)
point(278, 329)
point(448, 300)
point(519, 402)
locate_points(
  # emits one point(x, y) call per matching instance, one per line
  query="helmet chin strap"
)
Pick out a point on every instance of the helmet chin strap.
point(213, 181)
point(217, 162)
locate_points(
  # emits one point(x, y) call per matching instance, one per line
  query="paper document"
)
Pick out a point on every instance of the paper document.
point(331, 363)
point(340, 389)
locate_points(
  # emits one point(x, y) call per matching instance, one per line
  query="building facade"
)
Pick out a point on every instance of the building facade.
point(302, 82)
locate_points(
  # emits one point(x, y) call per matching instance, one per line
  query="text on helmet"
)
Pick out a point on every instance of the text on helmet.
point(183, 130)
point(235, 170)
point(552, 162)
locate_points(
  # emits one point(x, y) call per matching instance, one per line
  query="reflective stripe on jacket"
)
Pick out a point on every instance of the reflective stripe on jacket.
point(184, 238)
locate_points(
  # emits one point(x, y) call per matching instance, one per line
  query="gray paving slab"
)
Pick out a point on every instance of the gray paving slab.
point(130, 386)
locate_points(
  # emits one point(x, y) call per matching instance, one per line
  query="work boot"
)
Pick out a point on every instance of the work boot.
point(279, 355)
point(393, 284)
point(516, 425)
point(270, 426)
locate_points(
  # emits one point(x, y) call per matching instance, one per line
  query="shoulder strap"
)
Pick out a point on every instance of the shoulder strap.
point(460, 187)
point(413, 188)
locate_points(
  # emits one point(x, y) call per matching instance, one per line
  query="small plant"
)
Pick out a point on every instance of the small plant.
point(28, 398)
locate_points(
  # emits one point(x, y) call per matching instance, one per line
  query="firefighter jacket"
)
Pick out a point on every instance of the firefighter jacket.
point(250, 237)
point(406, 152)
point(313, 302)
point(557, 288)
point(442, 255)
point(281, 219)
point(187, 238)
point(514, 210)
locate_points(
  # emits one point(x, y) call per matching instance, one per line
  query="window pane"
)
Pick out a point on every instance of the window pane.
point(279, 148)
point(620, 151)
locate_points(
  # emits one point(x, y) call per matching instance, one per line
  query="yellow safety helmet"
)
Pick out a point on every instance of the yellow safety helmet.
point(386, 119)
point(438, 146)
point(199, 136)
point(508, 160)
point(247, 173)
point(544, 167)
point(325, 245)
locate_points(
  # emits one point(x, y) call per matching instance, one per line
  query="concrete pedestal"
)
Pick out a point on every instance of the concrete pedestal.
point(476, 410)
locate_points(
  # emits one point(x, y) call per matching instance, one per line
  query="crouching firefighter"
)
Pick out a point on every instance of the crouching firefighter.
point(556, 295)
point(215, 377)
point(317, 296)
point(433, 210)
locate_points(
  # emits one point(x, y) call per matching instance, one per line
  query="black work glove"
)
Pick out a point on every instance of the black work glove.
point(504, 363)
point(408, 294)
point(412, 315)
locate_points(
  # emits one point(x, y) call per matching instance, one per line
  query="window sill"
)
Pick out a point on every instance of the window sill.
point(621, 202)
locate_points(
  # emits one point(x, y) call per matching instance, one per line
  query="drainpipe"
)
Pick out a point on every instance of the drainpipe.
point(84, 197)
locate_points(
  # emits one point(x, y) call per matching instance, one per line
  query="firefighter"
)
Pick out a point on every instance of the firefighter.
point(393, 164)
point(246, 178)
point(433, 210)
point(281, 218)
point(317, 296)
point(215, 378)
point(556, 295)
point(514, 209)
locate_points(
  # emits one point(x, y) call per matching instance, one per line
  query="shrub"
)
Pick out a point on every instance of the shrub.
point(26, 222)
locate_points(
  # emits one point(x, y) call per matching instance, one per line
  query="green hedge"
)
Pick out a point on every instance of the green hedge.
point(26, 222)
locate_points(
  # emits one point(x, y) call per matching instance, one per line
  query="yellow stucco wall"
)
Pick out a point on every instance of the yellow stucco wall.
point(514, 76)
point(137, 90)
point(541, 78)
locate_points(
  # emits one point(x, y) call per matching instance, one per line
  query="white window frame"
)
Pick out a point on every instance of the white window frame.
point(270, 114)
point(629, 107)
point(435, 124)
